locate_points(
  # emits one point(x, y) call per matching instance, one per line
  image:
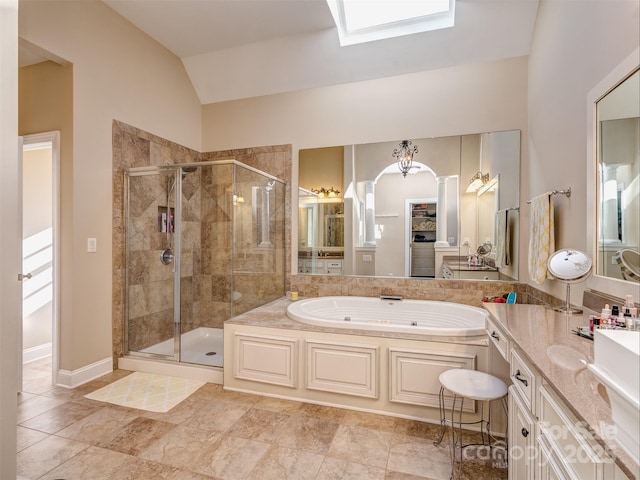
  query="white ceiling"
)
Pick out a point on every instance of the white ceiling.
point(234, 49)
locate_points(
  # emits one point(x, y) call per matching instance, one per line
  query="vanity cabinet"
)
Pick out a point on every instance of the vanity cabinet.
point(546, 441)
point(521, 439)
point(320, 266)
point(522, 416)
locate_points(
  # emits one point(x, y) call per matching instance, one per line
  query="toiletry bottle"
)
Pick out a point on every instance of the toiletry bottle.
point(614, 317)
point(628, 304)
point(629, 323)
point(604, 316)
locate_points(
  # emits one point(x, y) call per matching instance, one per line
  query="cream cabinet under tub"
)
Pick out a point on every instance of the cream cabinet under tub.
point(371, 373)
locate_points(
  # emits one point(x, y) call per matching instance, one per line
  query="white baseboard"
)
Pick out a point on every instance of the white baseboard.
point(36, 353)
point(75, 378)
point(172, 369)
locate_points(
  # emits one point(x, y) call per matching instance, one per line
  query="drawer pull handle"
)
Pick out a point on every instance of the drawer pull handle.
point(523, 380)
point(495, 335)
point(525, 432)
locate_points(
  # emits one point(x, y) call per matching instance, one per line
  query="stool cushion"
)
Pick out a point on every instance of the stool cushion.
point(473, 384)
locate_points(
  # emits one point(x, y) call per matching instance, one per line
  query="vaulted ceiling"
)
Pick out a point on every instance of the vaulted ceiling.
point(234, 49)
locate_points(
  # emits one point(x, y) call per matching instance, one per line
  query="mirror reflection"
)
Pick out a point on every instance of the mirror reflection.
point(426, 208)
point(618, 120)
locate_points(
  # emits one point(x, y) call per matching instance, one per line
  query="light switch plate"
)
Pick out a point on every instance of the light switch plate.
point(92, 245)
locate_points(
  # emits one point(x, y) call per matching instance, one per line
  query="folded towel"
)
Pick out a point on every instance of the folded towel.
point(541, 237)
point(502, 238)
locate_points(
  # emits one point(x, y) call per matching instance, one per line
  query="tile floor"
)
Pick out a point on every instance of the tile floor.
point(218, 435)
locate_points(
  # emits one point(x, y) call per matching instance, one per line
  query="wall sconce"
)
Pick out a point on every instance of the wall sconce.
point(405, 154)
point(477, 181)
point(327, 192)
point(237, 199)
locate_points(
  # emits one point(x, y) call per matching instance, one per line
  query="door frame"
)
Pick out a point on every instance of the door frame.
point(408, 237)
point(34, 141)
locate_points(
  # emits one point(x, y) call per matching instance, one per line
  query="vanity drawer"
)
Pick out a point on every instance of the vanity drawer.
point(524, 378)
point(575, 448)
point(498, 338)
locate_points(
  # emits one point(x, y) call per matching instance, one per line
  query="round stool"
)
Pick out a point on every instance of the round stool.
point(471, 385)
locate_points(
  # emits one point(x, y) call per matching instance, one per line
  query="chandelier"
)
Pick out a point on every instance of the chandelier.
point(327, 192)
point(404, 155)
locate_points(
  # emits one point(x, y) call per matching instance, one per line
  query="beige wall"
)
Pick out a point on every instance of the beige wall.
point(322, 168)
point(118, 73)
point(10, 356)
point(575, 45)
point(467, 99)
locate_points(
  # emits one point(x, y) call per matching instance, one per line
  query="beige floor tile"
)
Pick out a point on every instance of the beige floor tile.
point(320, 411)
point(215, 415)
point(261, 425)
point(369, 420)
point(136, 435)
point(419, 457)
point(277, 405)
point(34, 406)
point(28, 437)
point(391, 475)
point(100, 426)
point(93, 463)
point(416, 428)
point(234, 458)
point(211, 391)
point(220, 435)
point(308, 433)
point(42, 457)
point(338, 469)
point(59, 417)
point(370, 447)
point(139, 469)
point(184, 448)
point(282, 463)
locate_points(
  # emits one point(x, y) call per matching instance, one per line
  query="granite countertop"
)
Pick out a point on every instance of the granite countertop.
point(544, 337)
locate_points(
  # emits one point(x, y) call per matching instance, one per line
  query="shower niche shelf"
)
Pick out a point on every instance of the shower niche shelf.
point(165, 219)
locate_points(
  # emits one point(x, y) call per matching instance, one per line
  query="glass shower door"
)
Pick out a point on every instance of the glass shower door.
point(152, 238)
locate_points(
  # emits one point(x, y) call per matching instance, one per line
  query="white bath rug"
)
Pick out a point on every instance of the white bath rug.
point(147, 391)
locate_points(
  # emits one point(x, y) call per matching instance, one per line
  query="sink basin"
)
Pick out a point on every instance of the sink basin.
point(617, 366)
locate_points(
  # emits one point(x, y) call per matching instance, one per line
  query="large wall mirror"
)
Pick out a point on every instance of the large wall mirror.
point(615, 167)
point(618, 181)
point(452, 213)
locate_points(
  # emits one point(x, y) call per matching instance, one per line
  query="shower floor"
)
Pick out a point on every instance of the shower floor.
point(202, 346)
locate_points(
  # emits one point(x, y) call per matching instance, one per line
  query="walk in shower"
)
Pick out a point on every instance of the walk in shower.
point(204, 242)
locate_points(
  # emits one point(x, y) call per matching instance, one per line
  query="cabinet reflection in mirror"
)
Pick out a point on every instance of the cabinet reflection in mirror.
point(359, 215)
point(618, 121)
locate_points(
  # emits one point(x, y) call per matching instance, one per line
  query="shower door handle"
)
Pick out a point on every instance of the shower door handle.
point(24, 276)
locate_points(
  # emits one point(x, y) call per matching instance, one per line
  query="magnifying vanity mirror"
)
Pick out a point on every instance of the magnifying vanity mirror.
point(453, 212)
point(614, 148)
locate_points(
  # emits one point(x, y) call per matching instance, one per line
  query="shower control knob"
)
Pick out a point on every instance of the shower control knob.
point(166, 256)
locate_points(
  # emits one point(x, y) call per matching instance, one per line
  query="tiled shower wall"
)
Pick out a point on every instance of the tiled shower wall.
point(206, 299)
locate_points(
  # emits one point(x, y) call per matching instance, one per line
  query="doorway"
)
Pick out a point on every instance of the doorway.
point(40, 257)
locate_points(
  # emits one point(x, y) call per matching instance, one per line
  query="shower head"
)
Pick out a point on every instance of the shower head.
point(187, 170)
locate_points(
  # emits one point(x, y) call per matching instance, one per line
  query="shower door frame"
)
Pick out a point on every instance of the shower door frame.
point(177, 235)
point(177, 170)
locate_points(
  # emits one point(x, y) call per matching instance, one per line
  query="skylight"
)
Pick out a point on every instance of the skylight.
point(360, 21)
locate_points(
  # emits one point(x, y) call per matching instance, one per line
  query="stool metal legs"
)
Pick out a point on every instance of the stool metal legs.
point(456, 428)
